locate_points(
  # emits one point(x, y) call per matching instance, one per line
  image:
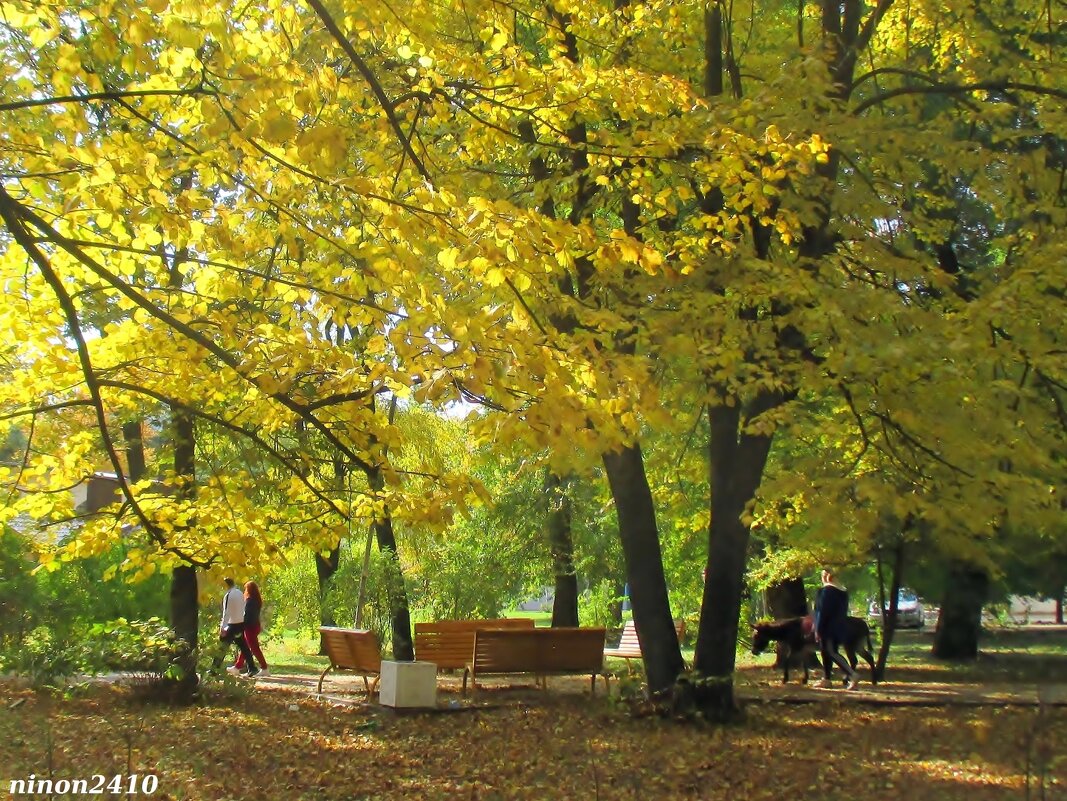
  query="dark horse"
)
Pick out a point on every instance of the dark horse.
point(797, 638)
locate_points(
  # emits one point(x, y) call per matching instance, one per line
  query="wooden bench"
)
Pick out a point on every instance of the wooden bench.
point(357, 650)
point(450, 643)
point(629, 646)
point(541, 652)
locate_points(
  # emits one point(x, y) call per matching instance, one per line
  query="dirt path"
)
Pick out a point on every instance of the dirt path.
point(754, 686)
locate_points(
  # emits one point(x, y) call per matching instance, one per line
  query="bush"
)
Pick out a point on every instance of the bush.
point(138, 646)
point(597, 605)
point(42, 660)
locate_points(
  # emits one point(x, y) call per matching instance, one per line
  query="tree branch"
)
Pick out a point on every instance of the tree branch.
point(373, 83)
point(952, 89)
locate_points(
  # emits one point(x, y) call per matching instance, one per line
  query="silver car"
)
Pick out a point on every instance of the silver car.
point(909, 611)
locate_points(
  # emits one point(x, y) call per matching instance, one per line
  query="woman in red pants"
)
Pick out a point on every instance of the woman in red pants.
point(253, 608)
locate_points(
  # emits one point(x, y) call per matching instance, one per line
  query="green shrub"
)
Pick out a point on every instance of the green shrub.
point(42, 660)
point(597, 605)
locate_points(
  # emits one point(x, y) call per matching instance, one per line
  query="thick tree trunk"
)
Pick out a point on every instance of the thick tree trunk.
point(736, 462)
point(184, 600)
point(135, 461)
point(959, 623)
point(325, 568)
point(400, 614)
point(889, 615)
point(636, 513)
point(787, 599)
point(561, 541)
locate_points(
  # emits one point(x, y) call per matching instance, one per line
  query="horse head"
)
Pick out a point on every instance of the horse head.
point(760, 639)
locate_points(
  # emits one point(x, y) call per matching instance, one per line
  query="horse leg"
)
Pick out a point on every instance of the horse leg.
point(850, 654)
point(869, 657)
point(868, 654)
point(786, 655)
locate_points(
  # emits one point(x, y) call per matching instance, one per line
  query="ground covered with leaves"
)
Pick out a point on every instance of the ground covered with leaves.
point(281, 743)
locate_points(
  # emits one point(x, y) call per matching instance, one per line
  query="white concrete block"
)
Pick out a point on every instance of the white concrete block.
point(408, 684)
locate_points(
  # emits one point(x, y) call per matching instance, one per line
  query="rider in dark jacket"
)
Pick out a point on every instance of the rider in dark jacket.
point(831, 627)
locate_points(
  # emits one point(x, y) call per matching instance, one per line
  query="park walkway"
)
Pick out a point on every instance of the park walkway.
point(754, 686)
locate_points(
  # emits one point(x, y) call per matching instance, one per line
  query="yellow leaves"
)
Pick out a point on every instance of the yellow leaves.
point(494, 38)
point(278, 127)
point(448, 258)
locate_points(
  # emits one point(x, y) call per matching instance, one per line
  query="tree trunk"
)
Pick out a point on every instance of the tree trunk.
point(561, 541)
point(616, 605)
point(1059, 606)
point(184, 600)
point(135, 461)
point(325, 567)
point(959, 623)
point(399, 613)
point(889, 616)
point(636, 513)
point(736, 464)
point(787, 599)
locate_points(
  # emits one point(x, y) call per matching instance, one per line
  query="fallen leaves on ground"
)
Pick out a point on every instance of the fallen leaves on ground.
point(280, 744)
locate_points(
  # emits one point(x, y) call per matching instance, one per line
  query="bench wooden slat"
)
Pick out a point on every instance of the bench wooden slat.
point(450, 643)
point(541, 652)
point(629, 646)
point(357, 650)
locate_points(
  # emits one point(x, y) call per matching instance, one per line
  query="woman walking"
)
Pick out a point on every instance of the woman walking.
point(831, 622)
point(253, 611)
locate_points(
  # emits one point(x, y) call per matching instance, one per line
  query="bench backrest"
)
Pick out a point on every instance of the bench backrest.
point(629, 640)
point(352, 649)
point(450, 643)
point(539, 650)
point(573, 650)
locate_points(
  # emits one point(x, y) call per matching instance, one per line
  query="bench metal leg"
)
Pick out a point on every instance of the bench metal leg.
point(592, 687)
point(371, 686)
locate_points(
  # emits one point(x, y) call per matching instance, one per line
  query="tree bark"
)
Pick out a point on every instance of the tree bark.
point(959, 623)
point(736, 464)
point(1059, 606)
point(135, 460)
point(325, 568)
point(787, 599)
point(636, 513)
point(399, 613)
point(561, 541)
point(889, 616)
point(184, 599)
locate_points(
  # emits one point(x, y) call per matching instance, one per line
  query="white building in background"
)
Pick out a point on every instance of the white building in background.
point(1025, 610)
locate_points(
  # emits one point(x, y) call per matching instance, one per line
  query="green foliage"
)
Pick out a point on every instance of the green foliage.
point(19, 594)
point(142, 646)
point(71, 598)
point(43, 660)
point(598, 605)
